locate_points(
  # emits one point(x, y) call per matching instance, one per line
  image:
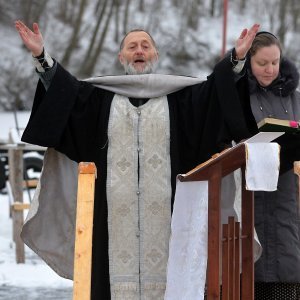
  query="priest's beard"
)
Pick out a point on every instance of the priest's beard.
point(148, 69)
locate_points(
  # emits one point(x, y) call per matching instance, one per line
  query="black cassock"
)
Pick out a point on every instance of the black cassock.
point(72, 117)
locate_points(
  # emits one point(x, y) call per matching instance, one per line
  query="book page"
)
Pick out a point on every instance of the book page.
point(264, 137)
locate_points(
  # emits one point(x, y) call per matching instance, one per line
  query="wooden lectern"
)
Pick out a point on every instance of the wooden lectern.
point(237, 268)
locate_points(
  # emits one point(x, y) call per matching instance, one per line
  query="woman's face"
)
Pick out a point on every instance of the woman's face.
point(265, 64)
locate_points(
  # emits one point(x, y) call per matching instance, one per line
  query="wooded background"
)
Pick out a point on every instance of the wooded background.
point(84, 35)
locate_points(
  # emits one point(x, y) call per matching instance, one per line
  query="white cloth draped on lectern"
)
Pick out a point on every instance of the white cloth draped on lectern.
point(262, 166)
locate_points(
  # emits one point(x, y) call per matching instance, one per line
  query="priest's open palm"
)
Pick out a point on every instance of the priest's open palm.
point(33, 40)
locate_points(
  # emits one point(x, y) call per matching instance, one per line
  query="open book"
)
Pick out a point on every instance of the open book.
point(272, 124)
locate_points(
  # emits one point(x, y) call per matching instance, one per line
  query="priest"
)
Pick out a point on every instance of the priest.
point(141, 130)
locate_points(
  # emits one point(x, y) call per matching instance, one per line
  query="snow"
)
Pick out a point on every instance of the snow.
point(34, 273)
point(10, 122)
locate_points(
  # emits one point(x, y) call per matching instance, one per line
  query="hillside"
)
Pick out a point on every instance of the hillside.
point(188, 34)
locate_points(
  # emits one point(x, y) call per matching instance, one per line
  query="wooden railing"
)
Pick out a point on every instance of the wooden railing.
point(15, 188)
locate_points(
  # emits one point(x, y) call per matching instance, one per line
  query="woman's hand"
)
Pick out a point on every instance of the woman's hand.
point(244, 42)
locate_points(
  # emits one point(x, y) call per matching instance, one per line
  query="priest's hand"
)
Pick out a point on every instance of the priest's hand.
point(244, 42)
point(33, 40)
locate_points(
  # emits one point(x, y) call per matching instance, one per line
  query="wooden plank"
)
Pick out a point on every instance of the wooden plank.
point(30, 183)
point(228, 160)
point(19, 206)
point(231, 257)
point(84, 232)
point(214, 233)
point(247, 241)
point(225, 263)
point(237, 261)
point(16, 182)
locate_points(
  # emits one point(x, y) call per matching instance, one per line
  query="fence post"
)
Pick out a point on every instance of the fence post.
point(84, 231)
point(16, 183)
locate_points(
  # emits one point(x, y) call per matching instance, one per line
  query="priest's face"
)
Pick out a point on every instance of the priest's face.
point(138, 54)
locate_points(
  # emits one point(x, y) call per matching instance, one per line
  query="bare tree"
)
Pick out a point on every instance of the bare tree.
point(142, 6)
point(212, 7)
point(117, 20)
point(282, 19)
point(67, 11)
point(295, 13)
point(154, 13)
point(74, 38)
point(193, 14)
point(215, 8)
point(242, 5)
point(27, 6)
point(33, 10)
point(17, 90)
point(176, 2)
point(126, 16)
point(91, 62)
point(92, 44)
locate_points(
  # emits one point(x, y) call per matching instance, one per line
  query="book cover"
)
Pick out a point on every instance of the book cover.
point(276, 125)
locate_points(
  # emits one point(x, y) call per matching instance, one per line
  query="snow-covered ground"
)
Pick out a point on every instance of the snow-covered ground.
point(29, 281)
point(33, 280)
point(13, 123)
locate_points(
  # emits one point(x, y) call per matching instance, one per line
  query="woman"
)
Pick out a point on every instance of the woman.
point(272, 85)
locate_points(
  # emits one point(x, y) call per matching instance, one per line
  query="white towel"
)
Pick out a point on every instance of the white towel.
point(262, 166)
point(186, 272)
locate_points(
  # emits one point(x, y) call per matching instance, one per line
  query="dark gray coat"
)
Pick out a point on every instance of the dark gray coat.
point(277, 217)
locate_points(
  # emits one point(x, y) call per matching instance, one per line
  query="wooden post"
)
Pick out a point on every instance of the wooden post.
point(247, 241)
point(231, 260)
point(214, 225)
point(225, 262)
point(84, 231)
point(231, 225)
point(16, 182)
point(237, 261)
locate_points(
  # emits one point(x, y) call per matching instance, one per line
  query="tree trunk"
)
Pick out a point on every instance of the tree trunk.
point(282, 20)
point(39, 10)
point(33, 9)
point(142, 6)
point(27, 6)
point(295, 10)
point(242, 6)
point(90, 64)
point(212, 8)
point(193, 14)
point(126, 16)
point(84, 65)
point(74, 38)
point(117, 21)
